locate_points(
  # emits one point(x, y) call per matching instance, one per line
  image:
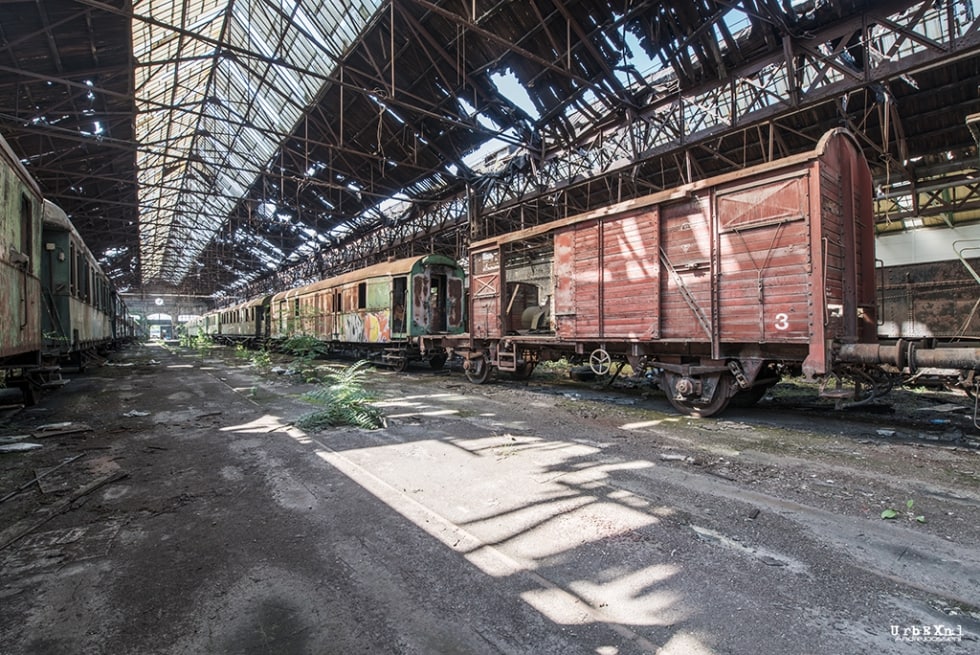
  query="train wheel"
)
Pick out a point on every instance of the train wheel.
point(600, 361)
point(400, 364)
point(682, 393)
point(478, 370)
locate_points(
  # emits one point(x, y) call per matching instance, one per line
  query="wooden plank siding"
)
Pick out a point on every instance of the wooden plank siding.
point(764, 261)
point(586, 267)
point(485, 285)
point(631, 276)
point(685, 301)
point(565, 288)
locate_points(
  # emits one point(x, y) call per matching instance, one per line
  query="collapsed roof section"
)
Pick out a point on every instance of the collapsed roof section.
point(575, 104)
point(280, 141)
point(399, 117)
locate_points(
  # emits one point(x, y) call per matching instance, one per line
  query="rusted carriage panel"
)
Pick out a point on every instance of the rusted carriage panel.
point(421, 315)
point(686, 275)
point(20, 258)
point(935, 299)
point(764, 264)
point(455, 304)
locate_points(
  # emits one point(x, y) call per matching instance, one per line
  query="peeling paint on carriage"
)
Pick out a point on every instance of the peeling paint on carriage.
point(369, 327)
point(20, 263)
point(367, 312)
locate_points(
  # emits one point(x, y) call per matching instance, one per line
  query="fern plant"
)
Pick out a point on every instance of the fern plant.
point(344, 401)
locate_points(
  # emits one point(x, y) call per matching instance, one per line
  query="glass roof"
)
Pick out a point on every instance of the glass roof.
point(219, 84)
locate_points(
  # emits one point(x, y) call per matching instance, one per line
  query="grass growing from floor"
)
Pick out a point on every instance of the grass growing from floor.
point(305, 349)
point(344, 401)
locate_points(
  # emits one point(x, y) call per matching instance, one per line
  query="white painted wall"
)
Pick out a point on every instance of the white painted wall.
point(926, 245)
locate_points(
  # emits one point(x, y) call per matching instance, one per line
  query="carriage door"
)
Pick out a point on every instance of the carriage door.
point(399, 299)
point(25, 259)
point(485, 283)
point(437, 303)
point(455, 302)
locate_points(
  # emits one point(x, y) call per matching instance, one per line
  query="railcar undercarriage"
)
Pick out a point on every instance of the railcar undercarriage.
point(704, 387)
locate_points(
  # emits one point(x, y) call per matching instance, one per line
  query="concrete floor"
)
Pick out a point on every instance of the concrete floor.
point(492, 519)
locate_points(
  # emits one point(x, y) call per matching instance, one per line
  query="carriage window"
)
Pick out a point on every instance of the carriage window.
point(27, 228)
point(296, 307)
point(337, 300)
point(362, 295)
point(82, 277)
point(72, 282)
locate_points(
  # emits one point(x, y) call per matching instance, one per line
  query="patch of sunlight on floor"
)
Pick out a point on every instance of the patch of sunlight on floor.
point(269, 424)
point(649, 424)
point(435, 412)
point(428, 396)
point(683, 644)
point(626, 598)
point(423, 404)
point(523, 535)
point(180, 366)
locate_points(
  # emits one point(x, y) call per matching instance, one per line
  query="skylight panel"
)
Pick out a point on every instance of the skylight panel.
point(178, 122)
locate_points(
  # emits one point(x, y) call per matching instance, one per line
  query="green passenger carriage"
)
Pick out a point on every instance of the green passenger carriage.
point(79, 303)
point(383, 310)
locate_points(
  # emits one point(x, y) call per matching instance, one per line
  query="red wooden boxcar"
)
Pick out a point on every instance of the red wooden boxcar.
point(714, 289)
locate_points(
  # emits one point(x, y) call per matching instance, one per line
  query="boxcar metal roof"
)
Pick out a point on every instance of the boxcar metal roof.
point(384, 269)
point(234, 147)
